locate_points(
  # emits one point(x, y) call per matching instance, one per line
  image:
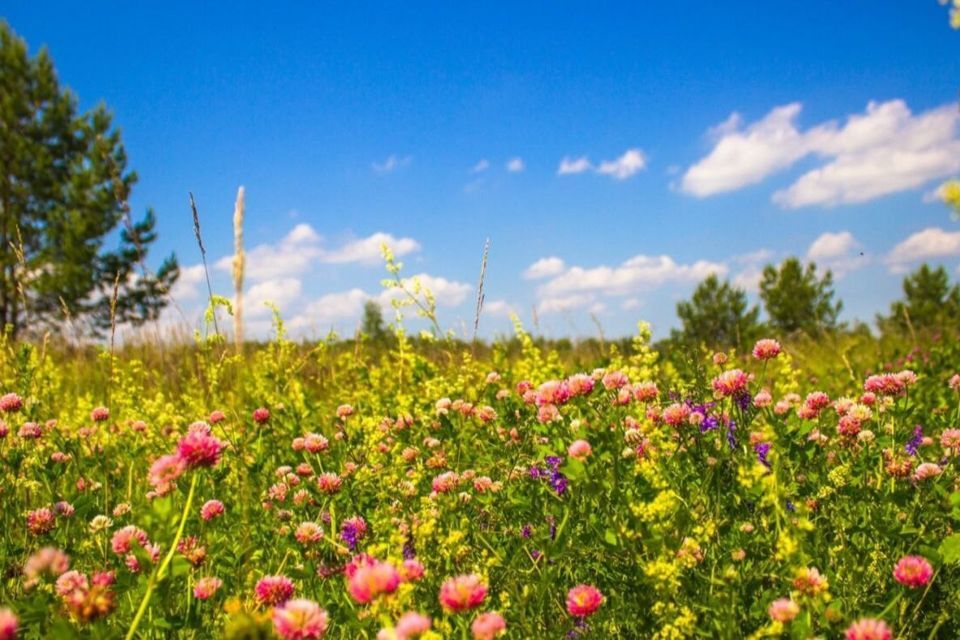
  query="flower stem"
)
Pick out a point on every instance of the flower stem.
point(159, 573)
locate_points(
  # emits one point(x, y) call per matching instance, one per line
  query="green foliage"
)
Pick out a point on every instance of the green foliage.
point(669, 521)
point(929, 303)
point(797, 299)
point(372, 324)
point(719, 316)
point(63, 189)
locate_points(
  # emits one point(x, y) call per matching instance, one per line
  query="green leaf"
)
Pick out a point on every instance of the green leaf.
point(950, 549)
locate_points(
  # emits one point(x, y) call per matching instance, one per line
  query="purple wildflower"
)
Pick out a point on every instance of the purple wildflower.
point(743, 400)
point(731, 435)
point(914, 443)
point(763, 450)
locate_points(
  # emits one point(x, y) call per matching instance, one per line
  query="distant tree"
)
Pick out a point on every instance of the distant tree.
point(796, 299)
point(929, 303)
point(372, 325)
point(717, 315)
point(63, 189)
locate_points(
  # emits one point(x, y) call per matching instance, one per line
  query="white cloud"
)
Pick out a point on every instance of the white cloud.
point(932, 242)
point(281, 292)
point(746, 156)
point(291, 256)
point(496, 308)
point(573, 165)
point(564, 303)
point(840, 252)
point(639, 273)
point(544, 267)
point(753, 257)
point(481, 166)
point(448, 293)
point(302, 234)
point(515, 165)
point(302, 248)
point(187, 286)
point(330, 308)
point(392, 163)
point(829, 246)
point(749, 279)
point(346, 305)
point(632, 161)
point(883, 150)
point(367, 250)
point(729, 126)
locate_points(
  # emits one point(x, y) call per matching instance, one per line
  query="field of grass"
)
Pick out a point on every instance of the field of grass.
point(437, 489)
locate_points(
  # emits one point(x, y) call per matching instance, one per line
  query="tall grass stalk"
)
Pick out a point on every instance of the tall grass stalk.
point(203, 258)
point(239, 262)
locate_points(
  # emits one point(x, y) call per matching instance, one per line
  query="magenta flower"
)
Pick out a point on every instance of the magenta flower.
point(199, 448)
point(8, 624)
point(783, 610)
point(868, 629)
point(488, 626)
point(273, 590)
point(10, 403)
point(369, 581)
point(40, 521)
point(212, 509)
point(913, 571)
point(766, 349)
point(206, 587)
point(124, 539)
point(164, 473)
point(583, 600)
point(462, 593)
point(410, 625)
point(300, 620)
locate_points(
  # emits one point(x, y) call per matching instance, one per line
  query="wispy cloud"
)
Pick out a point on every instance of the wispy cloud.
point(544, 268)
point(481, 166)
point(515, 165)
point(930, 243)
point(631, 162)
point(392, 163)
point(570, 166)
point(840, 252)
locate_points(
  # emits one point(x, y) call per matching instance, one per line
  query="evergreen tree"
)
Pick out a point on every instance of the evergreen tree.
point(63, 189)
point(372, 325)
point(718, 316)
point(796, 299)
point(929, 303)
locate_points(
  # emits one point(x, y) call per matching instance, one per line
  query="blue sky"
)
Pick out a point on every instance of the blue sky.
point(657, 142)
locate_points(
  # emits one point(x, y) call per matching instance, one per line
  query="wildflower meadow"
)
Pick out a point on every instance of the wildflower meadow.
point(424, 489)
point(706, 385)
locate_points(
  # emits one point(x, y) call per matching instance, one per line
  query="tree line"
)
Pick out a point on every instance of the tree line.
point(798, 300)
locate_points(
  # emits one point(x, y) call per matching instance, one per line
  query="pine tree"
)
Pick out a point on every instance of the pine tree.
point(63, 190)
point(929, 303)
point(718, 316)
point(797, 299)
